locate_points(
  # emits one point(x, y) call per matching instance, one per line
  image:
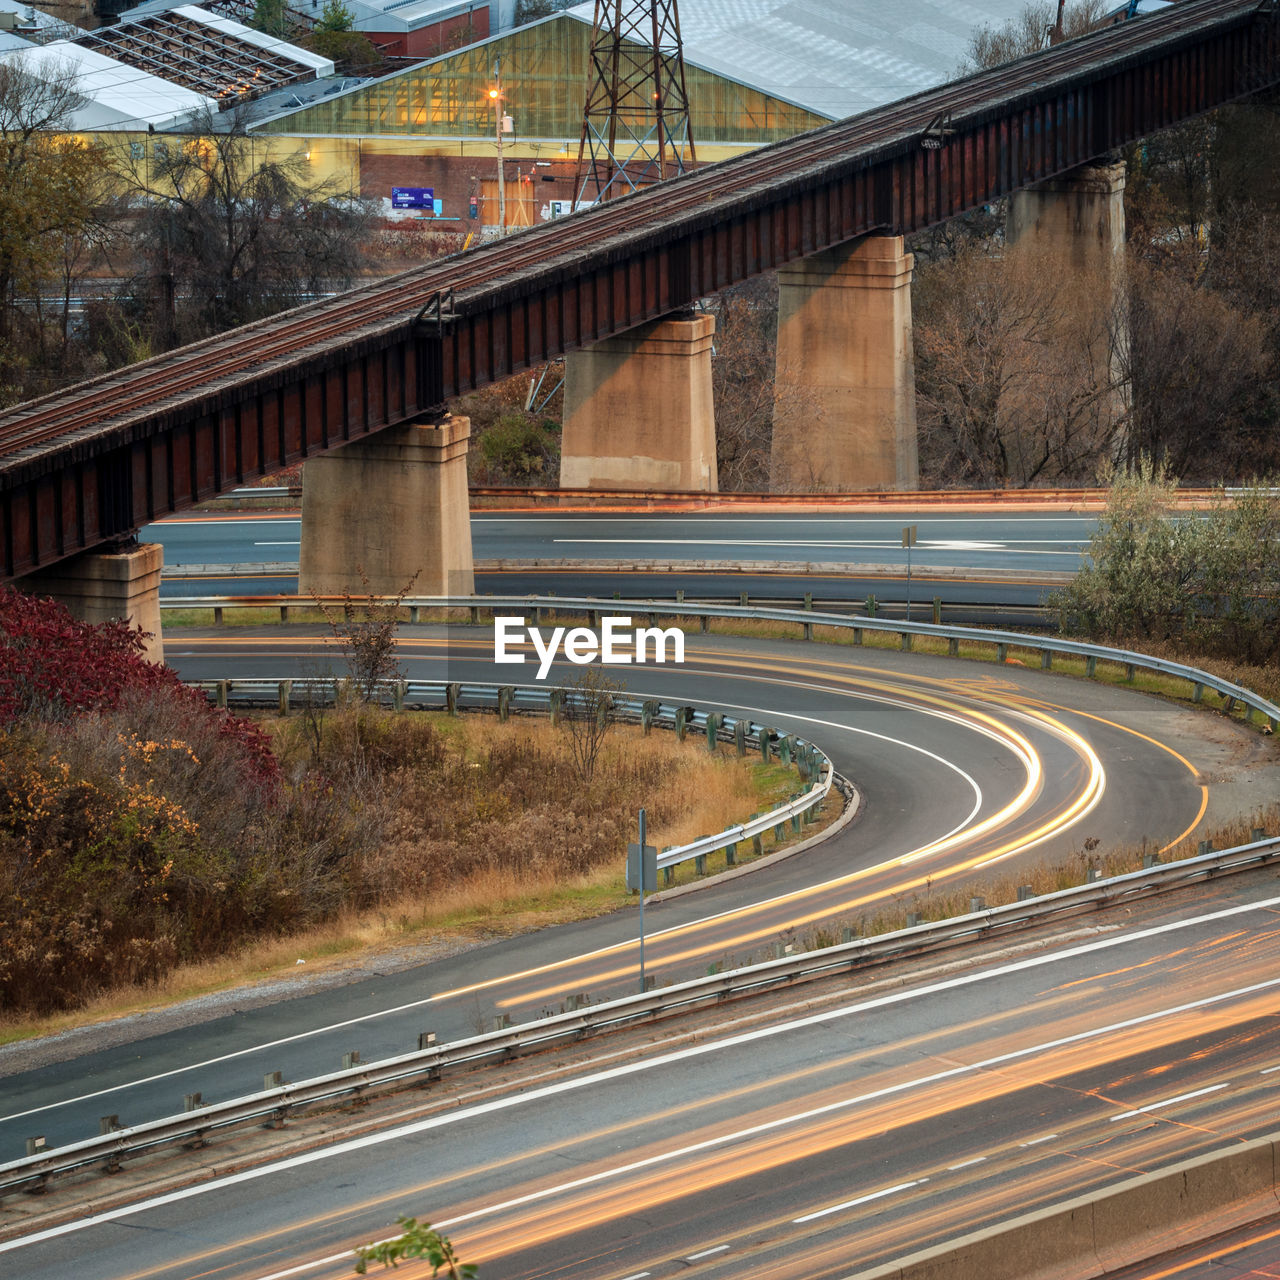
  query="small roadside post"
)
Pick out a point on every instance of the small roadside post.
point(908, 541)
point(642, 874)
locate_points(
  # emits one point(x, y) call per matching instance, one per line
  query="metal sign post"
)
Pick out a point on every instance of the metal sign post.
point(642, 874)
point(908, 541)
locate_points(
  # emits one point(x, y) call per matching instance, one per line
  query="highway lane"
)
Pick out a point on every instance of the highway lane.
point(962, 768)
point(1035, 542)
point(809, 1141)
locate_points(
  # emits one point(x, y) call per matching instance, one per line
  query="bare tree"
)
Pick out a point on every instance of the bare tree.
point(49, 190)
point(366, 632)
point(589, 714)
point(232, 230)
point(1015, 384)
point(1040, 24)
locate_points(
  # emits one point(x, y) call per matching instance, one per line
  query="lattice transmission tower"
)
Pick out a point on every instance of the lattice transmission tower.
point(635, 124)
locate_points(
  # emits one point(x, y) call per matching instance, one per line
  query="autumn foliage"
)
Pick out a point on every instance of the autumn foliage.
point(124, 798)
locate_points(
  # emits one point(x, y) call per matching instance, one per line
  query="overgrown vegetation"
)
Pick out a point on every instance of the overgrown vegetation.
point(1207, 581)
point(416, 1240)
point(142, 830)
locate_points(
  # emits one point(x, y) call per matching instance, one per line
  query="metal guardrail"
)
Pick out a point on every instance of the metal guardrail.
point(815, 768)
point(275, 1104)
point(1045, 646)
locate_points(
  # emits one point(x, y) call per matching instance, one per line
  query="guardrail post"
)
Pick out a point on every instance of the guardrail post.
point(937, 611)
point(906, 642)
point(714, 719)
point(779, 831)
point(1002, 653)
point(415, 613)
point(730, 855)
point(700, 864)
point(475, 615)
point(740, 736)
point(743, 601)
point(808, 599)
point(808, 630)
point(1258, 833)
point(680, 596)
point(668, 874)
point(976, 905)
point(1091, 666)
point(1129, 672)
point(35, 1147)
point(351, 1059)
point(192, 1102)
point(682, 722)
point(504, 701)
point(649, 712)
point(452, 692)
point(1046, 659)
point(785, 744)
point(1093, 875)
point(757, 841)
point(705, 620)
point(913, 919)
point(857, 635)
point(795, 824)
point(1229, 706)
point(871, 608)
point(762, 739)
point(284, 613)
point(398, 690)
point(217, 616)
point(1025, 893)
point(1205, 846)
point(555, 700)
point(220, 693)
point(953, 646)
point(109, 1124)
point(1150, 860)
point(283, 690)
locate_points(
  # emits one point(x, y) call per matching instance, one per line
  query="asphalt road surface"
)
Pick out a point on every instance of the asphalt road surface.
point(964, 769)
point(836, 1129)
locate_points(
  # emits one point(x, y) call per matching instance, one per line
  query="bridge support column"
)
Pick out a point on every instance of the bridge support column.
point(844, 390)
point(103, 586)
point(1077, 218)
point(1073, 226)
point(393, 505)
point(638, 412)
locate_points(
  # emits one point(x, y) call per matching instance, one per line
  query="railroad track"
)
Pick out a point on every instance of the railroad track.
point(380, 306)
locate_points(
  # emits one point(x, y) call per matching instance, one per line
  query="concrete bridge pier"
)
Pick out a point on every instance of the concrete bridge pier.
point(844, 389)
point(638, 411)
point(393, 505)
point(102, 586)
point(1073, 225)
point(1077, 217)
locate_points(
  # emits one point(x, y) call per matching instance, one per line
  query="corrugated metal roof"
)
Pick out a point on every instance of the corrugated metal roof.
point(833, 57)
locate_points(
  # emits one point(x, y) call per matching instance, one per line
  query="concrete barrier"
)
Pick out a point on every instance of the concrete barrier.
point(1095, 1234)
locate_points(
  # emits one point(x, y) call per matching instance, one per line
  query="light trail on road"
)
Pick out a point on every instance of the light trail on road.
point(1093, 1067)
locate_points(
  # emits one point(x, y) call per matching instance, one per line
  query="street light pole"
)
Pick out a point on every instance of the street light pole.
point(496, 94)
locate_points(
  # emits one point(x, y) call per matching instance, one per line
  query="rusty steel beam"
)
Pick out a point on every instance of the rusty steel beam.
point(93, 463)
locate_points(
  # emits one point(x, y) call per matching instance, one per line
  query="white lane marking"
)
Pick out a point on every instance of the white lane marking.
point(1269, 1071)
point(588, 955)
point(665, 1060)
point(849, 1204)
point(277, 544)
point(748, 544)
point(770, 522)
point(706, 1253)
point(1035, 1142)
point(965, 1164)
point(1165, 1102)
point(639, 1275)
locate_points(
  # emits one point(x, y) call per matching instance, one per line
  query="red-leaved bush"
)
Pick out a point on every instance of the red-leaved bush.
point(52, 667)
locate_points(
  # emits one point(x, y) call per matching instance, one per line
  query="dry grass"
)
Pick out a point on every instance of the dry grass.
point(498, 879)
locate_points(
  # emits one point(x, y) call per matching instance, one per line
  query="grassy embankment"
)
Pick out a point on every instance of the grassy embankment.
point(478, 829)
